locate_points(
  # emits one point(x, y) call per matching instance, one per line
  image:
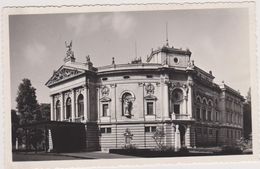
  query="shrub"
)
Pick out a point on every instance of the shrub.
point(183, 150)
point(231, 150)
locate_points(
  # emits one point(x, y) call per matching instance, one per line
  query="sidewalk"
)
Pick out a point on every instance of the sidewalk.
point(43, 156)
point(96, 155)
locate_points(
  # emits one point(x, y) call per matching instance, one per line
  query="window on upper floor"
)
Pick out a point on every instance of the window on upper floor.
point(68, 109)
point(198, 114)
point(150, 108)
point(58, 110)
point(209, 115)
point(80, 105)
point(105, 110)
point(204, 114)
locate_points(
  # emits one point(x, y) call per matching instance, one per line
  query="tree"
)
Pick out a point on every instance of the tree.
point(158, 136)
point(247, 119)
point(27, 104)
point(15, 123)
point(45, 111)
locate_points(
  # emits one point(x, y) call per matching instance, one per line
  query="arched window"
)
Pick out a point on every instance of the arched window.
point(80, 105)
point(198, 100)
point(58, 110)
point(68, 108)
point(177, 100)
point(127, 104)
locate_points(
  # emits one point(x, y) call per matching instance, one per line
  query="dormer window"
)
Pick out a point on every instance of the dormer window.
point(126, 77)
point(149, 76)
point(104, 78)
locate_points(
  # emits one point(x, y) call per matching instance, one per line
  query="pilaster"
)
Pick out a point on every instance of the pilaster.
point(52, 108)
point(165, 100)
point(62, 107)
point(85, 95)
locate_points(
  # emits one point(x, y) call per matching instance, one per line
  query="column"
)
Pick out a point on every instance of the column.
point(85, 103)
point(189, 102)
point(76, 105)
point(187, 137)
point(113, 103)
point(62, 112)
point(98, 104)
point(52, 108)
point(73, 113)
point(165, 100)
point(185, 104)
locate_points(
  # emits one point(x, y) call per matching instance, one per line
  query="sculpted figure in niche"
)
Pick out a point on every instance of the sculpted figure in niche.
point(127, 104)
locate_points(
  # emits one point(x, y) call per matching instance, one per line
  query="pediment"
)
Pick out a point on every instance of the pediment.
point(105, 99)
point(150, 97)
point(62, 74)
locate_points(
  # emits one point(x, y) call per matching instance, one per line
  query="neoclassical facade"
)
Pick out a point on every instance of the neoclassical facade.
point(130, 102)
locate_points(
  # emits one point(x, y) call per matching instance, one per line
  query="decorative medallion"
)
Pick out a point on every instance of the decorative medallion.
point(105, 91)
point(149, 89)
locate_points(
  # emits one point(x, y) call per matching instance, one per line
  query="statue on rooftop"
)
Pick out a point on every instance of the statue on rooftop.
point(69, 53)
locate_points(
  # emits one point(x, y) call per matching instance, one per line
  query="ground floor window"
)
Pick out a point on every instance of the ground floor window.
point(149, 129)
point(210, 131)
point(205, 131)
point(106, 130)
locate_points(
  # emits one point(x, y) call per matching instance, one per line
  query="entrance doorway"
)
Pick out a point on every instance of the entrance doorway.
point(182, 130)
point(217, 133)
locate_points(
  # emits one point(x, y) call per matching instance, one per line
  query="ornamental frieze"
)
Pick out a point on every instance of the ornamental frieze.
point(79, 91)
point(63, 74)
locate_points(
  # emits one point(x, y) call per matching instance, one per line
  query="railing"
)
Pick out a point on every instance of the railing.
point(77, 119)
point(180, 117)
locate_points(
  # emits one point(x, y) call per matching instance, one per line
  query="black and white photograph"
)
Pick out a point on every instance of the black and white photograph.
point(149, 83)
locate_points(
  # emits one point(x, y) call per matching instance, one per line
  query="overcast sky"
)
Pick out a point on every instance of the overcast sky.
point(218, 40)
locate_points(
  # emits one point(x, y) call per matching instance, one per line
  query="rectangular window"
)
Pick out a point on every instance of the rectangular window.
point(198, 113)
point(149, 129)
point(103, 130)
point(198, 130)
point(227, 133)
point(109, 130)
point(204, 114)
point(149, 108)
point(105, 109)
point(209, 115)
point(210, 131)
point(106, 130)
point(205, 132)
point(153, 128)
point(176, 108)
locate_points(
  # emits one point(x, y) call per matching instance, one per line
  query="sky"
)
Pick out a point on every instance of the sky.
point(217, 38)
